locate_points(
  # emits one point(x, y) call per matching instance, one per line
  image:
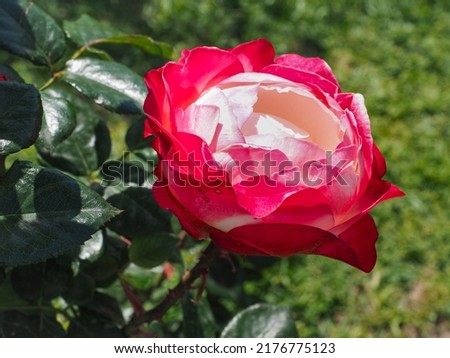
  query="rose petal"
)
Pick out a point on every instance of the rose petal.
point(355, 246)
point(309, 64)
point(360, 129)
point(302, 77)
point(155, 105)
point(202, 68)
point(199, 120)
point(228, 129)
point(254, 55)
point(272, 239)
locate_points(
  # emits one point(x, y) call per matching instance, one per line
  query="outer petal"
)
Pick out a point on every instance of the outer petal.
point(355, 246)
point(202, 68)
point(156, 105)
point(255, 55)
point(310, 64)
point(303, 77)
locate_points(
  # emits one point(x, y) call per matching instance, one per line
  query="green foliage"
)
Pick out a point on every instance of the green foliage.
point(30, 32)
point(261, 321)
point(20, 116)
point(109, 84)
point(71, 265)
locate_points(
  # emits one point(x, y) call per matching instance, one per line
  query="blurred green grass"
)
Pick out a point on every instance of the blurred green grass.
point(398, 55)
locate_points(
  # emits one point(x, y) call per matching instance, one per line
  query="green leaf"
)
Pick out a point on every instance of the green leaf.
point(140, 278)
point(9, 300)
point(152, 251)
point(90, 325)
point(135, 136)
point(198, 320)
point(261, 321)
point(81, 290)
point(191, 325)
point(85, 150)
point(20, 116)
point(27, 31)
point(19, 325)
point(116, 172)
point(10, 73)
point(87, 31)
point(141, 215)
point(44, 213)
point(145, 43)
point(106, 306)
point(110, 84)
point(41, 282)
point(59, 120)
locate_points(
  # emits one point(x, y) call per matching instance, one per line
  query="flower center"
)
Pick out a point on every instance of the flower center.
point(288, 111)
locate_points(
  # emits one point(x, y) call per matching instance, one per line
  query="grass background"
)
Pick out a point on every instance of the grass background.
point(398, 55)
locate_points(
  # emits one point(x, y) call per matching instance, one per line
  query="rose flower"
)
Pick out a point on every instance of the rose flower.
point(265, 155)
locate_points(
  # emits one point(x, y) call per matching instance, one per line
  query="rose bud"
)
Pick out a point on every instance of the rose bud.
point(265, 155)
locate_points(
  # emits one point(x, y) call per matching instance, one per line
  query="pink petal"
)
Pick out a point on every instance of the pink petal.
point(228, 130)
point(261, 196)
point(379, 164)
point(356, 246)
point(199, 120)
point(201, 68)
point(255, 55)
point(309, 64)
point(358, 117)
point(156, 105)
point(190, 223)
point(278, 240)
point(306, 207)
point(303, 77)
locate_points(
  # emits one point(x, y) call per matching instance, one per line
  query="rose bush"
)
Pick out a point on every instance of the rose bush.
point(266, 155)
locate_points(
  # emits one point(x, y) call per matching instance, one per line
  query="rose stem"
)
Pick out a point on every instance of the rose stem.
point(207, 257)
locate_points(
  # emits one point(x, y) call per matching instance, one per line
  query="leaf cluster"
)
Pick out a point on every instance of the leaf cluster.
point(84, 248)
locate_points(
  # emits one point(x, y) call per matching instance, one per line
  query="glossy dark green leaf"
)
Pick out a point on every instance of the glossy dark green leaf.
point(29, 32)
point(59, 120)
point(44, 213)
point(105, 306)
point(10, 73)
point(20, 116)
point(41, 282)
point(91, 325)
point(117, 172)
point(85, 150)
point(191, 322)
point(103, 270)
point(87, 31)
point(109, 84)
point(49, 37)
point(9, 299)
point(81, 290)
point(140, 278)
point(198, 320)
point(261, 321)
point(135, 136)
point(141, 215)
point(152, 251)
point(16, 324)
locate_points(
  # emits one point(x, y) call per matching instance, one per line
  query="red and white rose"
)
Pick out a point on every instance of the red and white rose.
point(265, 155)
